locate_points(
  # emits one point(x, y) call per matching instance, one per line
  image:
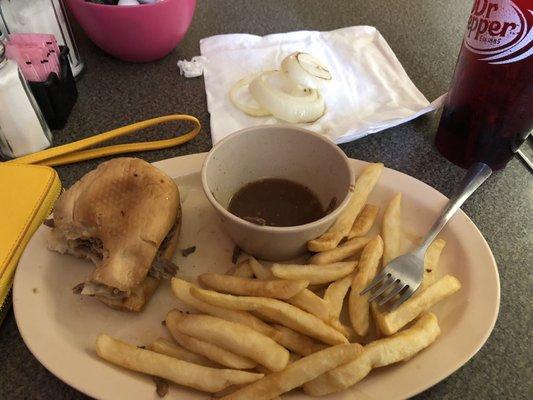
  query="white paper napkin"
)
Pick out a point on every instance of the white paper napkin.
point(369, 92)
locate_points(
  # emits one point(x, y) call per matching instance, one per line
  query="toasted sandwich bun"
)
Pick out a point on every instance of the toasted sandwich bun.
point(121, 216)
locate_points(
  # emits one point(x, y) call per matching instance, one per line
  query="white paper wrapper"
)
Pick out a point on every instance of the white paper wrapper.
point(369, 92)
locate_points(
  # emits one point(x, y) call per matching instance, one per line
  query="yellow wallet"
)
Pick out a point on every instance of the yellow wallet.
point(28, 192)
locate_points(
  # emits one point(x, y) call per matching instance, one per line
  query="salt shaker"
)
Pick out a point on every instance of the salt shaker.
point(23, 129)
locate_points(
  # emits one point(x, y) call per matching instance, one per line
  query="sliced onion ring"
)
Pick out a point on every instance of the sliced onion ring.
point(246, 107)
point(292, 88)
point(280, 81)
point(266, 90)
point(305, 70)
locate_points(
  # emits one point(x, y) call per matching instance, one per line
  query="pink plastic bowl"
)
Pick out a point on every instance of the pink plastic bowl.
point(142, 33)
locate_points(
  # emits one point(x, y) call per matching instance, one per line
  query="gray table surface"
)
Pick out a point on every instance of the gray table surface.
point(426, 36)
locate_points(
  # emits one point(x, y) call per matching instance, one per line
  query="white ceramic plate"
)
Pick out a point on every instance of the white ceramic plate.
point(60, 328)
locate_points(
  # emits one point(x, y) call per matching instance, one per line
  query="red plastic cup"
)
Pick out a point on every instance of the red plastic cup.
point(488, 114)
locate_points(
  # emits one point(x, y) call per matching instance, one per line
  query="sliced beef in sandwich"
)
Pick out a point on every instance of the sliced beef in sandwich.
point(125, 217)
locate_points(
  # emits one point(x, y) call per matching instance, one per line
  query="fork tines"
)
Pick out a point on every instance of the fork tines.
point(384, 288)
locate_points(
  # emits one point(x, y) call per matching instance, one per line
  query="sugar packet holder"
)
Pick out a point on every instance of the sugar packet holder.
point(36, 53)
point(57, 94)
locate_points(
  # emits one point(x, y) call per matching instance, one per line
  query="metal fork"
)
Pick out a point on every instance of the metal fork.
point(403, 275)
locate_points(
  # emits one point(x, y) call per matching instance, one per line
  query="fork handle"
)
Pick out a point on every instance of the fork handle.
point(476, 175)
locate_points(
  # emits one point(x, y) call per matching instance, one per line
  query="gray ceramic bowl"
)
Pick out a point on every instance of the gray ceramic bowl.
point(276, 151)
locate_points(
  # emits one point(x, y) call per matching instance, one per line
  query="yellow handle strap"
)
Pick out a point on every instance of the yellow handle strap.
point(75, 151)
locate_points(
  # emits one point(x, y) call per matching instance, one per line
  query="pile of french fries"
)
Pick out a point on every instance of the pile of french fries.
point(261, 331)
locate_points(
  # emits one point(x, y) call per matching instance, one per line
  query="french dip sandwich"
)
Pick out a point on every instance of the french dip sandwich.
point(125, 217)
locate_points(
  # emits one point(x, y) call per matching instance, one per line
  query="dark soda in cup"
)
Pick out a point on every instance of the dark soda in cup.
point(488, 111)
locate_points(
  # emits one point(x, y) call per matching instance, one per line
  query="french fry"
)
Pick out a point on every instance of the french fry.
point(379, 353)
point(391, 322)
point(181, 372)
point(342, 226)
point(275, 310)
point(164, 346)
point(391, 229)
point(364, 221)
point(358, 306)
point(431, 262)
point(213, 352)
point(232, 388)
point(181, 290)
point(335, 294)
point(375, 311)
point(263, 370)
point(259, 270)
point(243, 270)
point(297, 373)
point(237, 338)
point(304, 324)
point(315, 274)
point(277, 289)
point(306, 299)
point(312, 303)
point(342, 252)
point(296, 342)
point(346, 330)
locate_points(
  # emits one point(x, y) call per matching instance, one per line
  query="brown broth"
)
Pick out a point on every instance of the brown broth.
point(276, 202)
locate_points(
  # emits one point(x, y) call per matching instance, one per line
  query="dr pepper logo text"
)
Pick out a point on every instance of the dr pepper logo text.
point(500, 31)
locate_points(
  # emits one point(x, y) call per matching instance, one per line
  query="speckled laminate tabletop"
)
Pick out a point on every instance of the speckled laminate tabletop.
point(426, 36)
